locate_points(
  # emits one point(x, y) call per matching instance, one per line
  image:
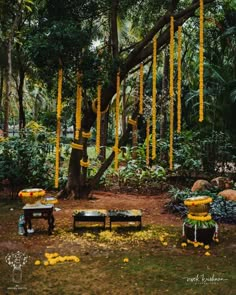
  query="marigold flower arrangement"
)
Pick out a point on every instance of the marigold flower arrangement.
point(199, 219)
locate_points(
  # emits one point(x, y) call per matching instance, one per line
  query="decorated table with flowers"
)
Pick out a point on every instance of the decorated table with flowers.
point(37, 206)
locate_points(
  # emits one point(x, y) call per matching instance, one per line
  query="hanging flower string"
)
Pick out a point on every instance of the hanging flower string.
point(78, 106)
point(84, 164)
point(179, 80)
point(201, 62)
point(154, 90)
point(171, 92)
point(132, 122)
point(86, 134)
point(116, 147)
point(98, 134)
point(59, 98)
point(76, 146)
point(141, 89)
point(147, 141)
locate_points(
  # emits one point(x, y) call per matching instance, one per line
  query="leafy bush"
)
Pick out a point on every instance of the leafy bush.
point(26, 161)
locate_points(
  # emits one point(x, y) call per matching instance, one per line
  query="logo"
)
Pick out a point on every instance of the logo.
point(16, 261)
point(202, 279)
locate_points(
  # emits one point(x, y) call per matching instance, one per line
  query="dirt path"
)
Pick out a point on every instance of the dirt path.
point(152, 206)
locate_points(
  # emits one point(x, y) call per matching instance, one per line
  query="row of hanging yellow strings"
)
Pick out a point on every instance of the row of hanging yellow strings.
point(58, 132)
point(154, 73)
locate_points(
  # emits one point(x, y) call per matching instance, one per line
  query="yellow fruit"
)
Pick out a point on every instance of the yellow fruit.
point(37, 262)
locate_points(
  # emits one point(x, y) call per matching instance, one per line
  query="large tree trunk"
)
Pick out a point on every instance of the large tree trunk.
point(1, 93)
point(20, 97)
point(74, 187)
point(8, 88)
point(104, 135)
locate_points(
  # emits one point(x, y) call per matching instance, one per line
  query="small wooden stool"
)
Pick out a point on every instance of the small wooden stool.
point(89, 215)
point(125, 216)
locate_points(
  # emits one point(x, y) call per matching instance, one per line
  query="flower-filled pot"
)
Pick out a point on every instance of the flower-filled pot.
point(31, 196)
point(199, 205)
point(204, 235)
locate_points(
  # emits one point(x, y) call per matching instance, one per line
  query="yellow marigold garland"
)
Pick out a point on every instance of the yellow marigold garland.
point(199, 218)
point(99, 90)
point(179, 80)
point(84, 164)
point(94, 107)
point(117, 119)
point(171, 92)
point(154, 91)
point(141, 89)
point(147, 141)
point(58, 132)
point(76, 146)
point(86, 134)
point(78, 106)
point(197, 202)
point(132, 122)
point(201, 62)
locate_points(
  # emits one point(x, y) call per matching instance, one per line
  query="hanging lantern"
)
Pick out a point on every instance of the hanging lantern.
point(201, 62)
point(58, 132)
point(171, 92)
point(154, 90)
point(179, 80)
point(98, 134)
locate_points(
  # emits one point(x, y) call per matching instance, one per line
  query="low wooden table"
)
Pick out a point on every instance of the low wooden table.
point(38, 212)
point(125, 216)
point(89, 215)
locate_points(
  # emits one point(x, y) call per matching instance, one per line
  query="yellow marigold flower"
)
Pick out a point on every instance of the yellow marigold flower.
point(195, 244)
point(37, 262)
point(46, 263)
point(207, 247)
point(126, 260)
point(183, 244)
point(207, 253)
point(161, 239)
point(164, 243)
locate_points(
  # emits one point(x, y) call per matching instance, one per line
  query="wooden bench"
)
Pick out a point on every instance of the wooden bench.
point(89, 215)
point(125, 216)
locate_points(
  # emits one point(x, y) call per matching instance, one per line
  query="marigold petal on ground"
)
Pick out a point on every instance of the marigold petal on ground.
point(207, 253)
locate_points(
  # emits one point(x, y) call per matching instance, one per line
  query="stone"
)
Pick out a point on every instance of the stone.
point(201, 185)
point(228, 194)
point(222, 183)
